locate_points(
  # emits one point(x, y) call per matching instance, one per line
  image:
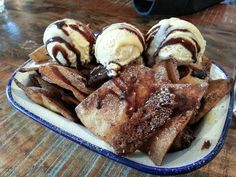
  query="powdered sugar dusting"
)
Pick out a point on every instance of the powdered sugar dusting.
point(163, 97)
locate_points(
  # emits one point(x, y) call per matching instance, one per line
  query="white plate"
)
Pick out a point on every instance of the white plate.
point(214, 128)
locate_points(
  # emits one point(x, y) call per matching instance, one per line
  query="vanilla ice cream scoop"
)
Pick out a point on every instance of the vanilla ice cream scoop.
point(174, 38)
point(69, 42)
point(118, 45)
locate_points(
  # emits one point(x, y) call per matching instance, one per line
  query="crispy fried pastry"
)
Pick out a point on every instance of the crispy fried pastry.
point(120, 111)
point(57, 91)
point(66, 78)
point(216, 91)
point(158, 145)
point(167, 69)
point(39, 55)
point(127, 110)
point(45, 98)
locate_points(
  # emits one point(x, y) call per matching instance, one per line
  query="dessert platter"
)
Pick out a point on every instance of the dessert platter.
point(153, 102)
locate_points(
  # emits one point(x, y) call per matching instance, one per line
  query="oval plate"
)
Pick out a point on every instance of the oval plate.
point(214, 128)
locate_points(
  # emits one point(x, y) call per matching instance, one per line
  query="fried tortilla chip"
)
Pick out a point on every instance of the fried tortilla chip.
point(158, 145)
point(57, 91)
point(45, 98)
point(66, 78)
point(39, 55)
point(167, 69)
point(216, 91)
point(127, 110)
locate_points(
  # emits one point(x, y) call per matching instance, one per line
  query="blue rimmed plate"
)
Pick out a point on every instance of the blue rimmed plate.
point(214, 128)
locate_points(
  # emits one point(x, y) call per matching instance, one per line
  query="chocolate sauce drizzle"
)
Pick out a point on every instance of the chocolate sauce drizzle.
point(60, 24)
point(136, 33)
point(86, 33)
point(128, 94)
point(184, 42)
point(57, 48)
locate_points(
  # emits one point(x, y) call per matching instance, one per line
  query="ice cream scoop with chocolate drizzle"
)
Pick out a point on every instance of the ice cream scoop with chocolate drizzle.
point(69, 42)
point(116, 46)
point(174, 38)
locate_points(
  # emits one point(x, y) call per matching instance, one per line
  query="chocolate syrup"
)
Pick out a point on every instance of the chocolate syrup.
point(128, 93)
point(57, 49)
point(98, 76)
point(201, 74)
point(60, 25)
point(185, 30)
point(183, 71)
point(136, 33)
point(151, 35)
point(184, 42)
point(86, 33)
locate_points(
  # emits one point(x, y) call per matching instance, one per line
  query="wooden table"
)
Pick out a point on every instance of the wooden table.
point(27, 148)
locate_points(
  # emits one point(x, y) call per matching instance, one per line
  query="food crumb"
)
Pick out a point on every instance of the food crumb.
point(206, 145)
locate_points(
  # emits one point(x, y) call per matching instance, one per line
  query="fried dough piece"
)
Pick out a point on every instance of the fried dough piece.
point(45, 98)
point(158, 145)
point(127, 110)
point(39, 55)
point(57, 91)
point(23, 70)
point(66, 78)
point(119, 111)
point(167, 69)
point(216, 91)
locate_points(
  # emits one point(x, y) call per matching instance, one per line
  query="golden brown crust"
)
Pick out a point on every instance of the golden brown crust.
point(66, 78)
point(216, 91)
point(190, 95)
point(47, 99)
point(39, 55)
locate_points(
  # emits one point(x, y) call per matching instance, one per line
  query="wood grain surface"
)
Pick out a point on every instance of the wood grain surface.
point(29, 149)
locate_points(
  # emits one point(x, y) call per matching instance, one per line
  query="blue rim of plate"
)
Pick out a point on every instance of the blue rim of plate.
point(158, 170)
